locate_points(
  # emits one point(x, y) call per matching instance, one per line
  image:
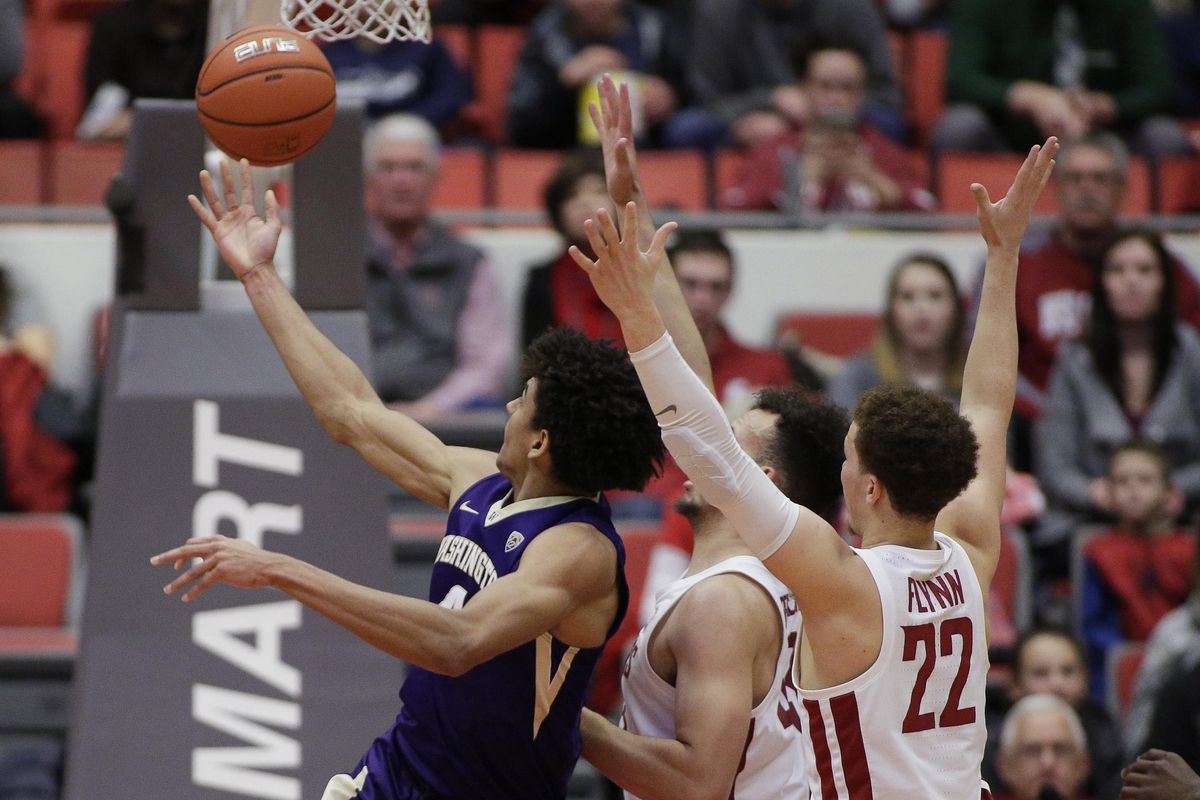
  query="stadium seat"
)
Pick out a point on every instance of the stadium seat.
point(81, 171)
point(675, 179)
point(639, 537)
point(56, 52)
point(1122, 664)
point(462, 179)
point(41, 578)
point(925, 81)
point(957, 171)
point(1178, 191)
point(519, 176)
point(838, 333)
point(898, 48)
point(499, 46)
point(1013, 580)
point(728, 168)
point(20, 172)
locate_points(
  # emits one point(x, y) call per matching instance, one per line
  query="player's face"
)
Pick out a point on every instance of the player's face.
point(519, 434)
point(1090, 189)
point(1052, 664)
point(400, 182)
point(836, 83)
point(1133, 280)
point(852, 480)
point(1139, 488)
point(1044, 754)
point(923, 308)
point(706, 280)
point(590, 194)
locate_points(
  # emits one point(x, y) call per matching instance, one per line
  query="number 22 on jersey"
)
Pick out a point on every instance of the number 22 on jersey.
point(936, 642)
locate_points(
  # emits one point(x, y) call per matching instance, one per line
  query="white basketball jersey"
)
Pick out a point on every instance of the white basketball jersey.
point(912, 724)
point(772, 764)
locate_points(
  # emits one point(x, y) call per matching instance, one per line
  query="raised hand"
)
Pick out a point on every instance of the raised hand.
point(235, 562)
point(246, 240)
point(1003, 223)
point(614, 121)
point(622, 273)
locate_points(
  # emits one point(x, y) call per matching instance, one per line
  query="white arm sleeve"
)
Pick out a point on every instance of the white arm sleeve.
point(696, 431)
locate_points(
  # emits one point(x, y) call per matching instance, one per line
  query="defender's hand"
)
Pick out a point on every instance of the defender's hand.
point(246, 240)
point(1003, 223)
point(622, 274)
point(614, 121)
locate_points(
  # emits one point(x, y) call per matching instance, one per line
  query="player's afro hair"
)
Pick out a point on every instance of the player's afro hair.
point(918, 446)
point(806, 449)
point(603, 434)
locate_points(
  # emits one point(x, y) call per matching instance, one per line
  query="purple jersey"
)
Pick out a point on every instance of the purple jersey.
point(509, 728)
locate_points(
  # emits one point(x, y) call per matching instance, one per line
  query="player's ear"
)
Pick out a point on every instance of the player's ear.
point(771, 473)
point(875, 490)
point(540, 446)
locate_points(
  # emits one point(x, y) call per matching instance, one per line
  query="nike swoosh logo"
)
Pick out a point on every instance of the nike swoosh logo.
point(466, 506)
point(666, 410)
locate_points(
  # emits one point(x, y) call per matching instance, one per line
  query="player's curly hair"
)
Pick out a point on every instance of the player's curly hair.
point(806, 449)
point(917, 445)
point(603, 434)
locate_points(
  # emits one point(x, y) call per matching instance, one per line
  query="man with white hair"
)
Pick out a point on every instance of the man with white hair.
point(439, 332)
point(1043, 752)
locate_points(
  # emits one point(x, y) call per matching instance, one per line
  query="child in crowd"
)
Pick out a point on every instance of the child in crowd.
point(1141, 568)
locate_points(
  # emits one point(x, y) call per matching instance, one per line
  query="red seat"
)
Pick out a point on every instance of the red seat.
point(499, 48)
point(81, 171)
point(462, 176)
point(40, 583)
point(20, 172)
point(1012, 582)
point(675, 179)
point(1123, 662)
point(56, 53)
point(520, 175)
point(639, 537)
point(838, 333)
point(898, 48)
point(957, 171)
point(925, 81)
point(729, 168)
point(1178, 189)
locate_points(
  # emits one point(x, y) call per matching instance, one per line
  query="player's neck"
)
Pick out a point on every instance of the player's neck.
point(714, 541)
point(888, 527)
point(536, 484)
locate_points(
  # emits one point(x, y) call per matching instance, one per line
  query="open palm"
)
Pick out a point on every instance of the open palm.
point(245, 239)
point(1003, 223)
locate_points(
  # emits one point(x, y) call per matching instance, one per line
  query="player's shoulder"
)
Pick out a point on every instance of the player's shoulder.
point(573, 541)
point(726, 601)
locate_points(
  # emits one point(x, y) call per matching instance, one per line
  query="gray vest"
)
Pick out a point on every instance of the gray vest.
point(414, 314)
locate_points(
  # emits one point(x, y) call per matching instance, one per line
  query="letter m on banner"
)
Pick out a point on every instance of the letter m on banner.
point(245, 770)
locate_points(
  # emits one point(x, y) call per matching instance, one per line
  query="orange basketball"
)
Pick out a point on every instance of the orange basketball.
point(266, 94)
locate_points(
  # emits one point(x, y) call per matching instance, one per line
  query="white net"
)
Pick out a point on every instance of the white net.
point(379, 20)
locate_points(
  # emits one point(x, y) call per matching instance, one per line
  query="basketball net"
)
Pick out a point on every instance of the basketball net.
point(381, 21)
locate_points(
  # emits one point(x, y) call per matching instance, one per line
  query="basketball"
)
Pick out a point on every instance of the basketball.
point(266, 94)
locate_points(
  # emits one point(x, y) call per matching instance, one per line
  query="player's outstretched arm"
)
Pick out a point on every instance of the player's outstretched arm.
point(714, 634)
point(614, 120)
point(334, 387)
point(798, 546)
point(990, 376)
point(561, 570)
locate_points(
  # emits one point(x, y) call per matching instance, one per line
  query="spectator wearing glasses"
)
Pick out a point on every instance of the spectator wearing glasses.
point(1043, 753)
point(1058, 268)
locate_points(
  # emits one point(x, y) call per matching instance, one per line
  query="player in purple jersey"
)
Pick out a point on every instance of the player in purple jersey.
point(528, 583)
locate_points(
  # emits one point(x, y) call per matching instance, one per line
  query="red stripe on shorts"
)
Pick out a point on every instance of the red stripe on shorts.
point(820, 745)
point(850, 740)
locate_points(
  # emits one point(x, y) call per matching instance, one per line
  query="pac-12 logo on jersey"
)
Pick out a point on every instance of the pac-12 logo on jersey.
point(514, 541)
point(258, 47)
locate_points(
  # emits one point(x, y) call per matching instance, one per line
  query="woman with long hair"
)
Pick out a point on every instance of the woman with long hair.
point(1134, 374)
point(922, 339)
